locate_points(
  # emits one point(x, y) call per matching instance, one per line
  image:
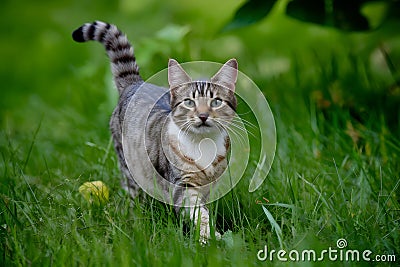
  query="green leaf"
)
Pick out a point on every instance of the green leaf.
point(249, 13)
point(347, 15)
point(307, 10)
point(342, 14)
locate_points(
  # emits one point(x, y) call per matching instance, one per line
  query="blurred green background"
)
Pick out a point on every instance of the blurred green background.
point(335, 96)
point(40, 63)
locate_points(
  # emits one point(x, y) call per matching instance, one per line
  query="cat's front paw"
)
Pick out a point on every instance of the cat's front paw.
point(205, 235)
point(218, 236)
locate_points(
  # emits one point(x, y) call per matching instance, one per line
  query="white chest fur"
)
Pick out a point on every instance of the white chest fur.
point(202, 149)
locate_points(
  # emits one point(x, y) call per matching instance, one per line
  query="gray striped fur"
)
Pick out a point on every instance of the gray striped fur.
point(185, 108)
point(119, 50)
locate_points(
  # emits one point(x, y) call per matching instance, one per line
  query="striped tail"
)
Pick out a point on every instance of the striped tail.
point(119, 50)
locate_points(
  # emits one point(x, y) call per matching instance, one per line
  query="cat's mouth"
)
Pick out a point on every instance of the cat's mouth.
point(203, 124)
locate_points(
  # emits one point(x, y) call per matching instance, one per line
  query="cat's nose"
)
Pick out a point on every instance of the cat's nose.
point(203, 117)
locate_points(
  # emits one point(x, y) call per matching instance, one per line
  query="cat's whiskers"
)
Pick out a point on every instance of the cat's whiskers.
point(233, 128)
point(184, 128)
point(245, 122)
point(237, 121)
point(239, 126)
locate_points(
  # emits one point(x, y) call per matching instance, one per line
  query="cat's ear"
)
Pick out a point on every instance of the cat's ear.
point(227, 74)
point(176, 75)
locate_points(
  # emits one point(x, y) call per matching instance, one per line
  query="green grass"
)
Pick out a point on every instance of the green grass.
point(336, 173)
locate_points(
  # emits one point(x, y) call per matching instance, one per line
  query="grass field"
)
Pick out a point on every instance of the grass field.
point(336, 172)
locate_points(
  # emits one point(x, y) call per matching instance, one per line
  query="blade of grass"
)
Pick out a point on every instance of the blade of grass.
point(275, 225)
point(32, 145)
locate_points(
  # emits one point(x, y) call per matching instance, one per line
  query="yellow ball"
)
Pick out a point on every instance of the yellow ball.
point(95, 192)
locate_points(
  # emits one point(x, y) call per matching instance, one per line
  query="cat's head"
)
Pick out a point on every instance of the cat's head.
point(202, 106)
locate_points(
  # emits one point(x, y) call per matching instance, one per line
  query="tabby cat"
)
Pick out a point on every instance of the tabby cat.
point(185, 133)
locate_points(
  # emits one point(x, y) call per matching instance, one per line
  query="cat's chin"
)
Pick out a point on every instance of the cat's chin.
point(204, 128)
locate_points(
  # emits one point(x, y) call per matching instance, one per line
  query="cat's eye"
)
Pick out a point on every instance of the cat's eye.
point(189, 103)
point(215, 103)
